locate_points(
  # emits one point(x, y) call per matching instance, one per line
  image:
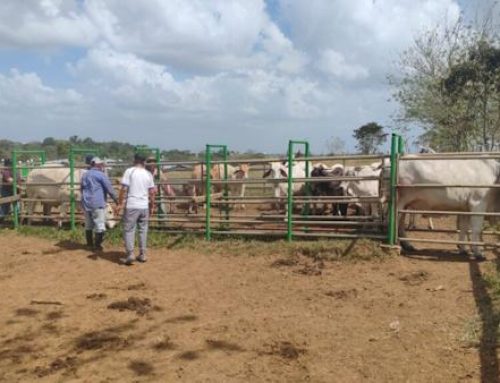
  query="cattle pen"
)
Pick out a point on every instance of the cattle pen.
point(221, 203)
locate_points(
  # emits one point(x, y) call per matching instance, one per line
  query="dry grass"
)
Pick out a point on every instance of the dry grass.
point(324, 249)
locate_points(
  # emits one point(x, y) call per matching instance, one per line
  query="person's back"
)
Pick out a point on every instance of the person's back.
point(139, 182)
point(95, 187)
point(137, 197)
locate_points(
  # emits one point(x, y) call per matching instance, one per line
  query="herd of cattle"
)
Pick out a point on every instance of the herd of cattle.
point(477, 193)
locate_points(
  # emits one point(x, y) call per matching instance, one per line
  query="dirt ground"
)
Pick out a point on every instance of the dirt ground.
point(69, 316)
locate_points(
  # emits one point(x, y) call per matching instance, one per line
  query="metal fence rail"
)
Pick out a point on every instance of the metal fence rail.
point(296, 217)
point(462, 213)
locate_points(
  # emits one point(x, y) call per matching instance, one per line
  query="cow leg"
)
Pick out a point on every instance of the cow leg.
point(412, 222)
point(62, 214)
point(463, 228)
point(31, 209)
point(47, 210)
point(476, 223)
point(193, 206)
point(430, 223)
point(405, 245)
point(242, 195)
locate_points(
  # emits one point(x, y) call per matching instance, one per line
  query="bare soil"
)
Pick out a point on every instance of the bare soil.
point(195, 317)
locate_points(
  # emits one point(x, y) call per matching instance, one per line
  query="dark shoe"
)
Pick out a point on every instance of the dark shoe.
point(99, 238)
point(89, 236)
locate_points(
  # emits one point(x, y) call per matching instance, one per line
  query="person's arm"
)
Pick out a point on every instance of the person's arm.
point(108, 188)
point(125, 182)
point(121, 198)
point(81, 184)
point(152, 195)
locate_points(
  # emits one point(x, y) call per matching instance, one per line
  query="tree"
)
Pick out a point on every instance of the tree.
point(369, 136)
point(74, 140)
point(49, 141)
point(335, 146)
point(449, 84)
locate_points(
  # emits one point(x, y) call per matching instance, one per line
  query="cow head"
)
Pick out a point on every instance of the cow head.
point(242, 171)
point(110, 217)
point(276, 171)
point(346, 185)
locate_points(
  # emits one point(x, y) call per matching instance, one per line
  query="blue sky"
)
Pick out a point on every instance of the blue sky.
point(248, 73)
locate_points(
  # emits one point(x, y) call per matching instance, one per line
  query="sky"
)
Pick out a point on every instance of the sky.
point(251, 74)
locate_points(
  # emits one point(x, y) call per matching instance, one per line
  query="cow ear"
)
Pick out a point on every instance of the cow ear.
point(283, 173)
point(267, 173)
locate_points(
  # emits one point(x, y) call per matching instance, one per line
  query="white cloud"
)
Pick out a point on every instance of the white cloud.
point(346, 35)
point(44, 24)
point(26, 91)
point(334, 64)
point(208, 69)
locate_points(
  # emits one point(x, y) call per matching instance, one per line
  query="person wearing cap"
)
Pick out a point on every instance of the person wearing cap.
point(6, 188)
point(95, 187)
point(137, 196)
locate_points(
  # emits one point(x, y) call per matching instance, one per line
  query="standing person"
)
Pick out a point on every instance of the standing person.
point(7, 187)
point(95, 187)
point(137, 196)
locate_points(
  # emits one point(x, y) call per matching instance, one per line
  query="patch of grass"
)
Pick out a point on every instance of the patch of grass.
point(492, 279)
point(317, 249)
point(471, 334)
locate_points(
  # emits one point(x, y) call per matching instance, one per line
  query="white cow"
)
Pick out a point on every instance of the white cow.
point(51, 182)
point(197, 186)
point(234, 173)
point(464, 199)
point(364, 188)
point(279, 170)
point(279, 173)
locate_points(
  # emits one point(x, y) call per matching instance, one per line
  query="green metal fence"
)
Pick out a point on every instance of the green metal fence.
point(289, 224)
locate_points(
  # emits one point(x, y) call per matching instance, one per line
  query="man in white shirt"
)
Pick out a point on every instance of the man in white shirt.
point(137, 196)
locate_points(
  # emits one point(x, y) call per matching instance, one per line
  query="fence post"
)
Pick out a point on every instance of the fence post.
point(401, 145)
point(14, 189)
point(391, 233)
point(308, 185)
point(72, 189)
point(226, 186)
point(289, 232)
point(208, 192)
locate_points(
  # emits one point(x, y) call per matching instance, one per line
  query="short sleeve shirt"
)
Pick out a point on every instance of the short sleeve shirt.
point(139, 182)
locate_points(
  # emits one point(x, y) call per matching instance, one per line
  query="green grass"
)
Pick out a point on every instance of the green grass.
point(325, 249)
point(492, 279)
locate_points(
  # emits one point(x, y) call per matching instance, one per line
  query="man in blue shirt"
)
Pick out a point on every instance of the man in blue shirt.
point(95, 187)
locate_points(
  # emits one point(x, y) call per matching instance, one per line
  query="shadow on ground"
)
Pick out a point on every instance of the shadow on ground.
point(489, 314)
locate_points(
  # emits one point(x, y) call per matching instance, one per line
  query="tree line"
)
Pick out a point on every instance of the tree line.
point(59, 149)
